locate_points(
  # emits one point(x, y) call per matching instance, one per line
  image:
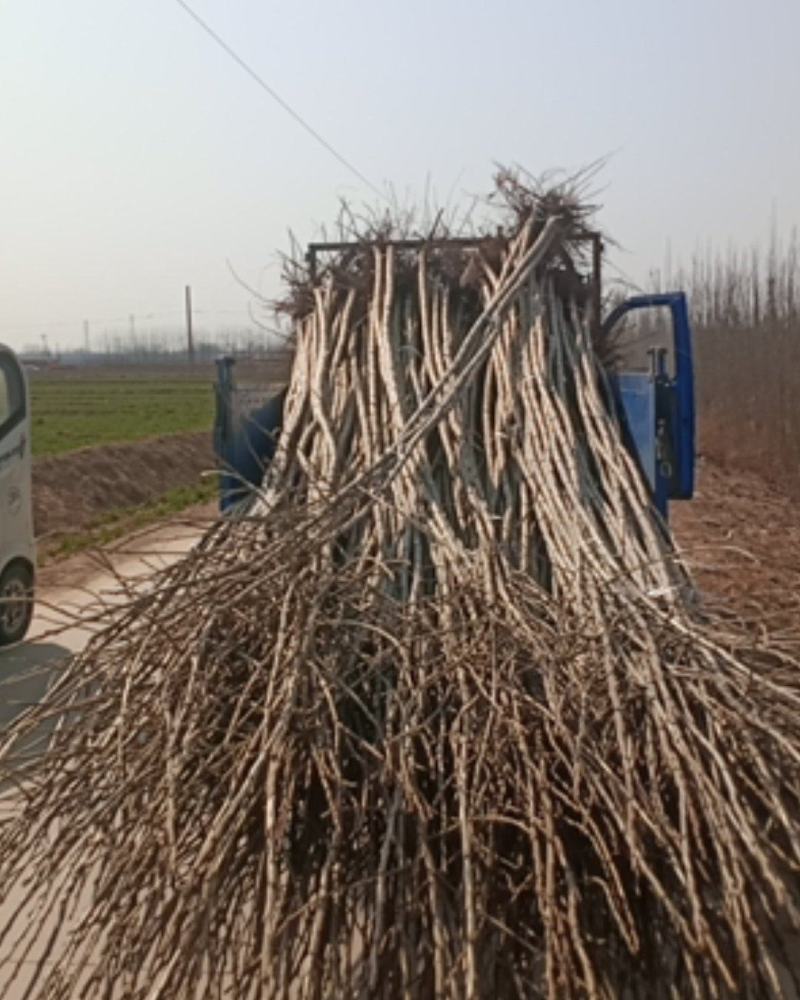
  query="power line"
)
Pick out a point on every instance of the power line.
point(276, 97)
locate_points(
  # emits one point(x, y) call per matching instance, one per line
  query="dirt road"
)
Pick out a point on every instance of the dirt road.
point(69, 592)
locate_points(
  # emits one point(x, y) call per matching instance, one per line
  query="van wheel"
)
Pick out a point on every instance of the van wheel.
point(16, 603)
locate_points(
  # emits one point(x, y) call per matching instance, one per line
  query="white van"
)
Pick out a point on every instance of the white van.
point(17, 547)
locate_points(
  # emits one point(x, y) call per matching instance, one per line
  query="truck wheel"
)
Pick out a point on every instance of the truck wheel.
point(16, 603)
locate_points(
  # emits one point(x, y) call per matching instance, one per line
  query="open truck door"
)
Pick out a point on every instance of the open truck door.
point(17, 546)
point(654, 389)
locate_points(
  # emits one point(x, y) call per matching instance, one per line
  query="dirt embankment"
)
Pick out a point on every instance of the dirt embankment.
point(741, 535)
point(70, 492)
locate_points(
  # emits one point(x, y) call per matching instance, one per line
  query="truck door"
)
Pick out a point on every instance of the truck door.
point(654, 385)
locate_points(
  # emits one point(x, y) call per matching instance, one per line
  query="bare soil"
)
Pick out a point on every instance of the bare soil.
point(70, 492)
point(742, 537)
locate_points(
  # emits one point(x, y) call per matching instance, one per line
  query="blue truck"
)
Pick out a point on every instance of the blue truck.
point(652, 385)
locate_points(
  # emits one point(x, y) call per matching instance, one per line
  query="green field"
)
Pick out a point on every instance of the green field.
point(71, 413)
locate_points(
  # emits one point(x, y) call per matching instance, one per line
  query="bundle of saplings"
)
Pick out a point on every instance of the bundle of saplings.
point(438, 713)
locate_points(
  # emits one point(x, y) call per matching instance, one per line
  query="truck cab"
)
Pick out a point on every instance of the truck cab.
point(17, 545)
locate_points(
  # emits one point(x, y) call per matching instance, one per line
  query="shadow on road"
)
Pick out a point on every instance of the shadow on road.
point(25, 674)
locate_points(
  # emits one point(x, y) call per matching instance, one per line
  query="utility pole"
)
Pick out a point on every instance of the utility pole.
point(189, 341)
point(86, 336)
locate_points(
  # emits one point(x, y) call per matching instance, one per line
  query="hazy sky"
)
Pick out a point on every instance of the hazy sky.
point(136, 157)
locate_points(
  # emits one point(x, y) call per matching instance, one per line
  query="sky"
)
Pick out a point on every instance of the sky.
point(137, 157)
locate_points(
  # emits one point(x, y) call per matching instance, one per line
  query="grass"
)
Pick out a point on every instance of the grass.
point(68, 414)
point(116, 523)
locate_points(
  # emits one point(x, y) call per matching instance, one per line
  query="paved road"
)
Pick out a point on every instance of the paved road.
point(70, 590)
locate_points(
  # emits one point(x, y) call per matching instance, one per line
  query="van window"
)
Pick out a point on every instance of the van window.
point(12, 393)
